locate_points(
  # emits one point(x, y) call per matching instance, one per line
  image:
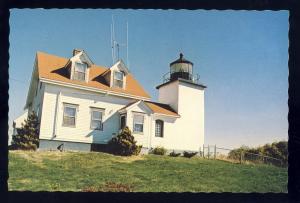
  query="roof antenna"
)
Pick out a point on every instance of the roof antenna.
point(115, 46)
point(112, 37)
point(127, 59)
point(118, 51)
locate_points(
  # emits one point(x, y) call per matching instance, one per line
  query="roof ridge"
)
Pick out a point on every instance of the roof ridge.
point(53, 55)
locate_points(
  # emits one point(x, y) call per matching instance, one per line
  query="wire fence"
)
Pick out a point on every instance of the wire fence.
point(242, 157)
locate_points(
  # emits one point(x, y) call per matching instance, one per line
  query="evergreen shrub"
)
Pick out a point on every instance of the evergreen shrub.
point(124, 144)
point(174, 154)
point(189, 154)
point(159, 151)
point(27, 137)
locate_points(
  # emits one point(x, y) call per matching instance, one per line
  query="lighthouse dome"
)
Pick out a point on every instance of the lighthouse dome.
point(181, 68)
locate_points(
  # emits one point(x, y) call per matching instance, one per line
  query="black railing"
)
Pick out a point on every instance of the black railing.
point(169, 76)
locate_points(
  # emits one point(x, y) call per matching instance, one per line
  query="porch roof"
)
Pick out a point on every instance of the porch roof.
point(156, 108)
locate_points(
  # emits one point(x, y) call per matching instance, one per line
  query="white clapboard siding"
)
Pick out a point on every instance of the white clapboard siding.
point(141, 138)
point(84, 100)
point(38, 98)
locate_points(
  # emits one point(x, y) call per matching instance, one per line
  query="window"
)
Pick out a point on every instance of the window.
point(69, 115)
point(138, 123)
point(122, 121)
point(118, 79)
point(96, 119)
point(80, 71)
point(159, 128)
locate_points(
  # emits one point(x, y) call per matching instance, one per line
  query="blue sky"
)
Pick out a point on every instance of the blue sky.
point(242, 56)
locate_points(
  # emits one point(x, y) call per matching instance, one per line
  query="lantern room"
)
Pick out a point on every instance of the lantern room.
point(181, 68)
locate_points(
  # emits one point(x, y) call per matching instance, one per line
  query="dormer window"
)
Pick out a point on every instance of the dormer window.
point(80, 71)
point(118, 79)
point(117, 75)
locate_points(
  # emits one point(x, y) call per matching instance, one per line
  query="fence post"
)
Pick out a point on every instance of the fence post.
point(200, 152)
point(208, 151)
point(241, 158)
point(215, 152)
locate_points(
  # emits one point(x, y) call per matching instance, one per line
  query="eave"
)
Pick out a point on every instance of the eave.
point(93, 89)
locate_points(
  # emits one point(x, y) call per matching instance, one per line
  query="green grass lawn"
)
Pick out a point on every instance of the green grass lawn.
point(78, 171)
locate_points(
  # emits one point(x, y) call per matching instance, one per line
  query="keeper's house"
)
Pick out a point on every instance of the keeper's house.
point(81, 106)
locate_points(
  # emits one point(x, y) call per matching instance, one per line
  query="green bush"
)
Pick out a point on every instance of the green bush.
point(278, 150)
point(159, 151)
point(236, 153)
point(124, 144)
point(189, 154)
point(174, 154)
point(27, 137)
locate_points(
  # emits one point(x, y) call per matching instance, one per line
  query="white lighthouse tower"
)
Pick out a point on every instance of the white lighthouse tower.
point(183, 92)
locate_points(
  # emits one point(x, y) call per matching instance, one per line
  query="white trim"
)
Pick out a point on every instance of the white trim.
point(38, 110)
point(122, 67)
point(160, 114)
point(79, 71)
point(161, 122)
point(75, 140)
point(92, 89)
point(138, 114)
point(147, 107)
point(75, 106)
point(34, 72)
point(85, 57)
point(150, 132)
point(56, 114)
point(123, 111)
point(137, 103)
point(101, 110)
point(114, 78)
point(125, 116)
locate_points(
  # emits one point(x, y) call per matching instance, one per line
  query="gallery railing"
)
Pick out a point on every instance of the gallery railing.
point(195, 78)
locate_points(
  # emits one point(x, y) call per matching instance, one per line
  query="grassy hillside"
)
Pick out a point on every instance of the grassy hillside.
point(74, 171)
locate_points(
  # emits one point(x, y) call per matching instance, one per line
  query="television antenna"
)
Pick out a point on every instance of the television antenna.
point(115, 45)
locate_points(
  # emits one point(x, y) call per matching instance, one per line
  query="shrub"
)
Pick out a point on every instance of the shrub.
point(278, 150)
point(27, 137)
point(174, 154)
point(124, 144)
point(189, 154)
point(236, 153)
point(159, 151)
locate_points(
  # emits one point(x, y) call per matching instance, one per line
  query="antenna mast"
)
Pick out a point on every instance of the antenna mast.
point(115, 46)
point(113, 41)
point(127, 45)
